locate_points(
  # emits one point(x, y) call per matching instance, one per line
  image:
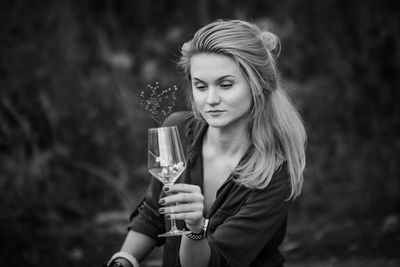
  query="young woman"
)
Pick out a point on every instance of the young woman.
point(245, 145)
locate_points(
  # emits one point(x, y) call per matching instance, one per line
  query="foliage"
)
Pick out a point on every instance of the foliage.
point(72, 158)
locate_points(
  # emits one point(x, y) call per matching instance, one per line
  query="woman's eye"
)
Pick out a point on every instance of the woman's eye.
point(226, 85)
point(200, 87)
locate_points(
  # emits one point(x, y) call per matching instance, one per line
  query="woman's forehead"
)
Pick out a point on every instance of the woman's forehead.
point(213, 66)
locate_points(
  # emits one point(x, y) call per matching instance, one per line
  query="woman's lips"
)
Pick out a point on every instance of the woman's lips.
point(214, 111)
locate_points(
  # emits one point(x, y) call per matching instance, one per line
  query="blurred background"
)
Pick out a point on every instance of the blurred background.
point(73, 132)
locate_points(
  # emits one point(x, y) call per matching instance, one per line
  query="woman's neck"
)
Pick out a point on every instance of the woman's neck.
point(228, 142)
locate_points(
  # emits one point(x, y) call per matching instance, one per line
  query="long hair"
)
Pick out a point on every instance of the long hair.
point(276, 129)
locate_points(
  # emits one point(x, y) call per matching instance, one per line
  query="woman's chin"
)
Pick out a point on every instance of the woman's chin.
point(215, 122)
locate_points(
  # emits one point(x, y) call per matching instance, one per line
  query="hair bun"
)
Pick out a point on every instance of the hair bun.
point(271, 42)
point(185, 47)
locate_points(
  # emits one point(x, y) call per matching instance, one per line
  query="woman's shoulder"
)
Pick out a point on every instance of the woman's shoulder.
point(187, 124)
point(280, 178)
point(279, 185)
point(179, 118)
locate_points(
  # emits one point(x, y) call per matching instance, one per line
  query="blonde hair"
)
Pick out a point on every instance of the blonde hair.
point(277, 132)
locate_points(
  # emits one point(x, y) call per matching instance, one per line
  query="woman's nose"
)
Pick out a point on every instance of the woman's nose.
point(213, 96)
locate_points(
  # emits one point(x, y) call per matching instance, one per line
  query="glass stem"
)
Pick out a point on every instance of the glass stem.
point(173, 225)
point(173, 222)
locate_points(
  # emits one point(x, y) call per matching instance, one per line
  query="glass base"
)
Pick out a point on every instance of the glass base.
point(174, 232)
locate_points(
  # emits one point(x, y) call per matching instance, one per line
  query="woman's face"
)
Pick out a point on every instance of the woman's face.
point(220, 91)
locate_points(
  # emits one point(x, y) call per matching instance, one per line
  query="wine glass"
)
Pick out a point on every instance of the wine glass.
point(166, 161)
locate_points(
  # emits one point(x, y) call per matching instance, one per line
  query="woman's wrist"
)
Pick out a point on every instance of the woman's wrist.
point(123, 259)
point(196, 228)
point(199, 235)
point(125, 262)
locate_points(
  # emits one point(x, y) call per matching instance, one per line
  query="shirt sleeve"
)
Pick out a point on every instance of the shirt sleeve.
point(146, 218)
point(240, 238)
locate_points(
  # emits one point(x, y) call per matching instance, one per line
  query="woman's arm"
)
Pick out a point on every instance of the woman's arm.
point(145, 225)
point(242, 236)
point(194, 253)
point(237, 239)
point(138, 245)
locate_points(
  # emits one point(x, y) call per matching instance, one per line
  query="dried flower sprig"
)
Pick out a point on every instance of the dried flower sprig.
point(159, 102)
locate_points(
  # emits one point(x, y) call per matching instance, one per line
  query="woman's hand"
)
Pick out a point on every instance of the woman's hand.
point(184, 202)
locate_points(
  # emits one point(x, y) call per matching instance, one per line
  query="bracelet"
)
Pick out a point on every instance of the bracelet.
point(132, 260)
point(201, 235)
point(194, 236)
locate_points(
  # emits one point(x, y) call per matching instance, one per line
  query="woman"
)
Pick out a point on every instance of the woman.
point(245, 157)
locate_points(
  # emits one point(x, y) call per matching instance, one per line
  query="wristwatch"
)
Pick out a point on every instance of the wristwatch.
point(201, 235)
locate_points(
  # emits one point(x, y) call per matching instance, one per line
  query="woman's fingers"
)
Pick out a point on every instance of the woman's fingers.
point(182, 188)
point(182, 193)
point(191, 207)
point(184, 202)
point(188, 216)
point(191, 213)
point(182, 198)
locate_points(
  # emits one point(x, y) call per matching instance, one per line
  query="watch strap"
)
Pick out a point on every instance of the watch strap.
point(201, 235)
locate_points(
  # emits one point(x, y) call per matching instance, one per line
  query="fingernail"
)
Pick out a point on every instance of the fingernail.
point(161, 210)
point(161, 201)
point(166, 189)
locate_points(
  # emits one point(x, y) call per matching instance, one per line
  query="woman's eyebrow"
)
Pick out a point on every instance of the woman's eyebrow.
point(224, 77)
point(219, 79)
point(197, 80)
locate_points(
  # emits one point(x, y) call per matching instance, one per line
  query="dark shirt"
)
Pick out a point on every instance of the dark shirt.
point(246, 225)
